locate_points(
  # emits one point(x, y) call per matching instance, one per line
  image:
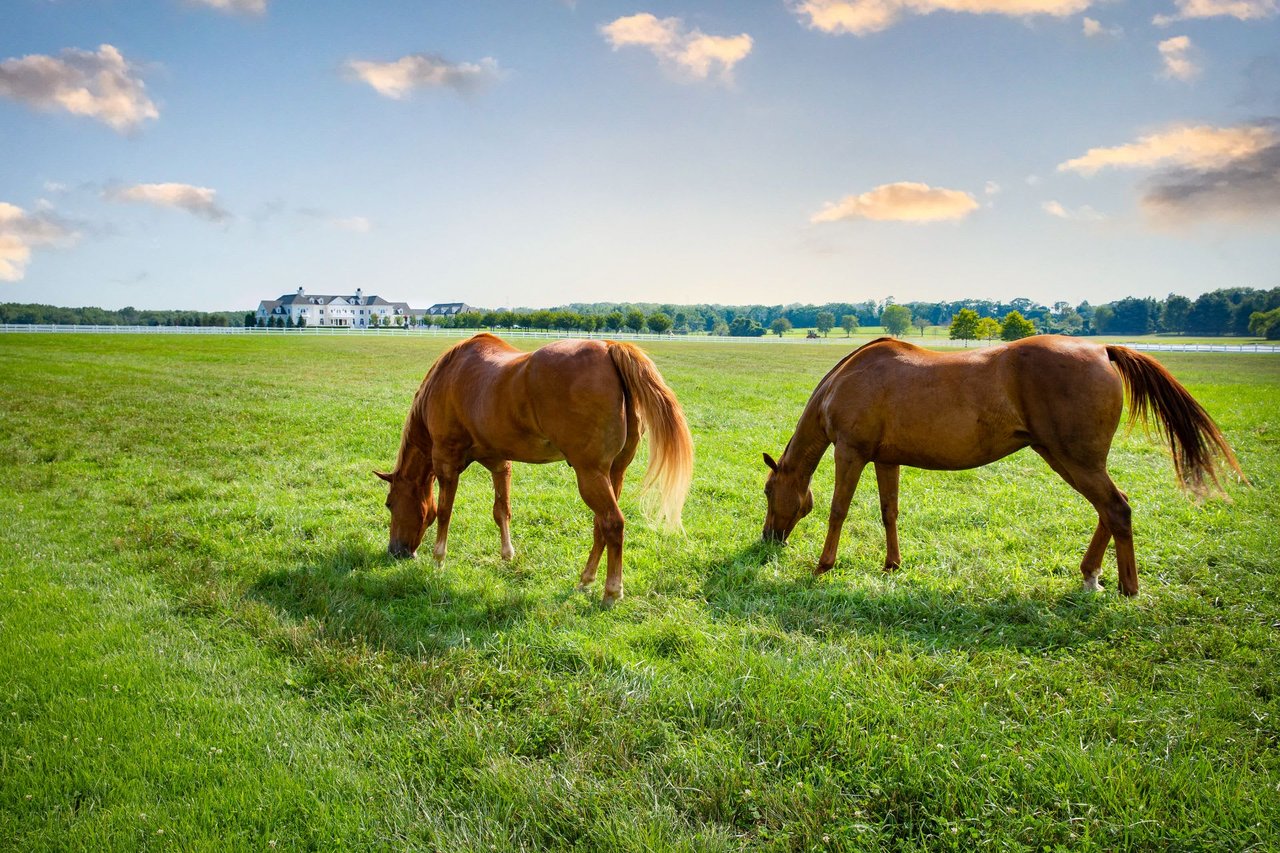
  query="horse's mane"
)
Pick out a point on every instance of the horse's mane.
point(415, 424)
point(842, 362)
point(833, 371)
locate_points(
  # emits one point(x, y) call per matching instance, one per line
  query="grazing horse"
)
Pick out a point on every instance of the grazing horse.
point(584, 402)
point(892, 403)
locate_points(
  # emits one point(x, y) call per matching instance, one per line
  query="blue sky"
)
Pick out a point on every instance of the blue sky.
point(207, 154)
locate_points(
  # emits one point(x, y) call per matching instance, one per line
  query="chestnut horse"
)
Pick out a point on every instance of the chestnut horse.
point(583, 402)
point(892, 403)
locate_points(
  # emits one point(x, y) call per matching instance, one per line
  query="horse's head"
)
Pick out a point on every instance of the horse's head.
point(412, 507)
point(789, 500)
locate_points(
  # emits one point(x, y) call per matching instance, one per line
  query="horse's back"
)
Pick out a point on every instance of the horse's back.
point(538, 406)
point(901, 403)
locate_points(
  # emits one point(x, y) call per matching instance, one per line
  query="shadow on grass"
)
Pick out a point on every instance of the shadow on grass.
point(935, 619)
point(408, 606)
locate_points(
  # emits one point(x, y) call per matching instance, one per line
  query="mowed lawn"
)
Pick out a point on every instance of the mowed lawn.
point(203, 645)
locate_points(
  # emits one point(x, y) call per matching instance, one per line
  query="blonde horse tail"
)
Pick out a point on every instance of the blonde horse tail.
point(670, 468)
point(1194, 438)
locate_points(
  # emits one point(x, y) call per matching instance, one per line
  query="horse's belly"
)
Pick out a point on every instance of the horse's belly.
point(949, 455)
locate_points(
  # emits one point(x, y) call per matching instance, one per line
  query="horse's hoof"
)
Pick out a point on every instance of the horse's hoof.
point(823, 568)
point(509, 554)
point(584, 586)
point(891, 567)
point(1092, 585)
point(610, 599)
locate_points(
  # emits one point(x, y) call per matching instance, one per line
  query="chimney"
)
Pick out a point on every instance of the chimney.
point(359, 296)
point(301, 291)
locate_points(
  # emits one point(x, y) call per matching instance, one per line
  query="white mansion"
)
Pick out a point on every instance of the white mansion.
point(355, 310)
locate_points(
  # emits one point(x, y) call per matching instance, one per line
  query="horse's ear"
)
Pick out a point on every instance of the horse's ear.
point(383, 476)
point(768, 460)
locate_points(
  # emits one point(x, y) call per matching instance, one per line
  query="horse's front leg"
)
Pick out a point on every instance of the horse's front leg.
point(887, 483)
point(502, 505)
point(848, 469)
point(448, 479)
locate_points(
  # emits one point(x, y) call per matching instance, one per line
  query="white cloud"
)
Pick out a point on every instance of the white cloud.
point(198, 201)
point(1179, 63)
point(1199, 147)
point(247, 7)
point(1094, 29)
point(1084, 213)
point(861, 17)
point(358, 224)
point(424, 71)
point(100, 85)
point(991, 188)
point(1244, 10)
point(900, 202)
point(20, 231)
point(689, 52)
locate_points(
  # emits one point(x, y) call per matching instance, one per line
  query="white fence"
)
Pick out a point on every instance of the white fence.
point(932, 341)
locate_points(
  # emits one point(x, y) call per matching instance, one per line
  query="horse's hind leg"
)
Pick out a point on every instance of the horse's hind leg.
point(887, 484)
point(617, 472)
point(588, 576)
point(1115, 520)
point(597, 492)
point(502, 506)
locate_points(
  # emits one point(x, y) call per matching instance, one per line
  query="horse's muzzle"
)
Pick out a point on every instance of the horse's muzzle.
point(773, 536)
point(400, 552)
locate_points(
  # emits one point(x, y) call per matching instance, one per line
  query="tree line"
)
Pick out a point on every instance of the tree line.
point(31, 313)
point(1231, 311)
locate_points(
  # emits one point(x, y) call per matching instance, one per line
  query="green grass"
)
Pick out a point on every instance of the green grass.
point(202, 644)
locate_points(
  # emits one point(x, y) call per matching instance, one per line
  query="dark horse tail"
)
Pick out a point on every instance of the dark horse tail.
point(1194, 438)
point(670, 445)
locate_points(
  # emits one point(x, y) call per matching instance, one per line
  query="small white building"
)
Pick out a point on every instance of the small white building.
point(355, 310)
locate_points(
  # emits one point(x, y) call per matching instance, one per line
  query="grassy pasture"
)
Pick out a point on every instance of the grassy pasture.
point(202, 644)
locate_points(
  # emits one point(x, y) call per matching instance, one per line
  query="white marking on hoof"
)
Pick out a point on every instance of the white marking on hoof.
point(610, 598)
point(508, 553)
point(584, 587)
point(1092, 584)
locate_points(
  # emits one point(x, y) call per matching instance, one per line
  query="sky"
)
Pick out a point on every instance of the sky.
point(208, 154)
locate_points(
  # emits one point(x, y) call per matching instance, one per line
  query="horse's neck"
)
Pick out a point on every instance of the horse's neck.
point(415, 463)
point(808, 443)
point(415, 450)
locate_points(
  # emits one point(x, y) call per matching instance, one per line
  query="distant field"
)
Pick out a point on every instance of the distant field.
point(203, 645)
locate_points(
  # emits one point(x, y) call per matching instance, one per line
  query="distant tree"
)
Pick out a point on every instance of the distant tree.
point(850, 324)
point(824, 322)
point(1265, 324)
point(1102, 316)
point(896, 319)
point(250, 320)
point(1210, 314)
point(921, 322)
point(289, 322)
point(964, 325)
point(744, 327)
point(590, 322)
point(658, 322)
point(988, 329)
point(1015, 326)
point(635, 320)
point(613, 320)
point(489, 319)
point(1173, 315)
point(302, 322)
point(780, 326)
point(718, 326)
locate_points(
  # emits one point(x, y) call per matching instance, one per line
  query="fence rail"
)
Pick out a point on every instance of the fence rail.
point(770, 340)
